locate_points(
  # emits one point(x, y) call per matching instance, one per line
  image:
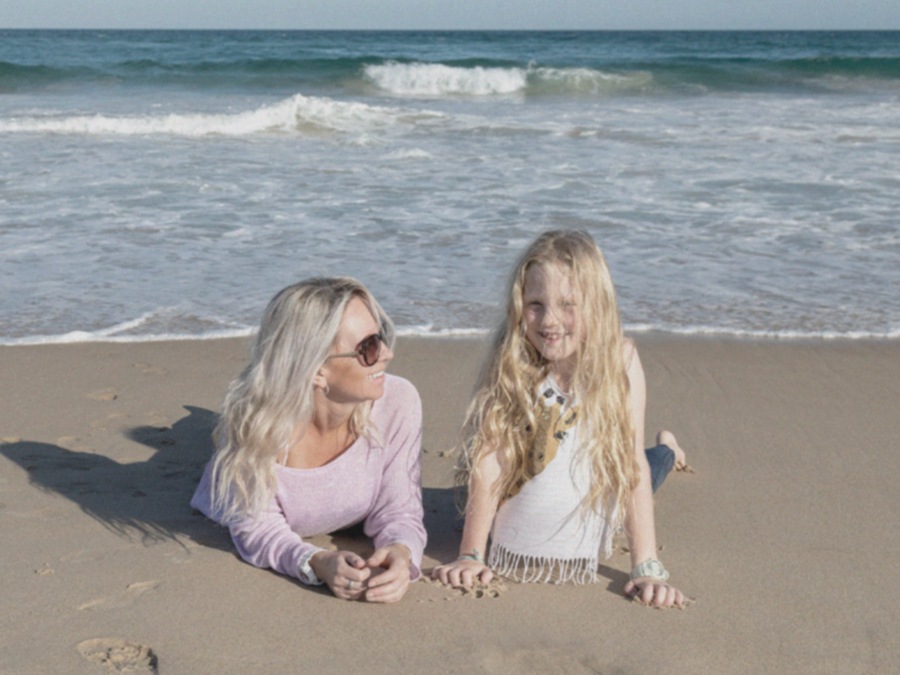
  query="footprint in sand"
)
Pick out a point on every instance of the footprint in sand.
point(104, 424)
point(119, 656)
point(156, 419)
point(124, 599)
point(147, 369)
point(108, 394)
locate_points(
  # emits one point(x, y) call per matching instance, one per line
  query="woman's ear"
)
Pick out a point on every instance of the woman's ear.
point(320, 381)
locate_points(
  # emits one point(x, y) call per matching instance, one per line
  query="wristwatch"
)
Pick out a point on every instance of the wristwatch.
point(305, 571)
point(650, 569)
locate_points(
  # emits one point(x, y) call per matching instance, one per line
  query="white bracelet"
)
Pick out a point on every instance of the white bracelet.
point(650, 569)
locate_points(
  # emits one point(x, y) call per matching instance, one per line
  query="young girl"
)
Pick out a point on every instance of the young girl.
point(553, 449)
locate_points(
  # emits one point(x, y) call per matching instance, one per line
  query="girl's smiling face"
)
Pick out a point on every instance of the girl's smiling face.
point(550, 314)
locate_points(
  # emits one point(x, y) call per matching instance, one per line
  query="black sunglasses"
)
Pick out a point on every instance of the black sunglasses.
point(368, 350)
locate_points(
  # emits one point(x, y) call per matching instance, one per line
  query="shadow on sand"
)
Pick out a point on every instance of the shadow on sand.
point(150, 500)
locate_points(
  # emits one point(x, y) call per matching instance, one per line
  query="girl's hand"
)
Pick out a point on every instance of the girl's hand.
point(390, 573)
point(463, 573)
point(654, 593)
point(344, 572)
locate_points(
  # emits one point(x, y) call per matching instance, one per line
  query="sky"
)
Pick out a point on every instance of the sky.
point(455, 14)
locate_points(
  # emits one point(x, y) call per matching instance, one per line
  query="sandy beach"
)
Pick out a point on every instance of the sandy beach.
point(786, 535)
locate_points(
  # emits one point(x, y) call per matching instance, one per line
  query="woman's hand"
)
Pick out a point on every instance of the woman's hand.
point(389, 568)
point(463, 573)
point(344, 572)
point(654, 593)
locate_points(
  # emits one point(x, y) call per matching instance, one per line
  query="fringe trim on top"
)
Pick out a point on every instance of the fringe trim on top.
point(541, 569)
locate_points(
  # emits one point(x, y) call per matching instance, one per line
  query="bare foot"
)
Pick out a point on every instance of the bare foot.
point(666, 437)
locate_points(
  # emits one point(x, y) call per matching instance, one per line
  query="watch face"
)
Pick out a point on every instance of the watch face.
point(306, 573)
point(650, 568)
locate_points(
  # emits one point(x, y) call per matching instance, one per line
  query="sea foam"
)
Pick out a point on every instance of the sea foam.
point(297, 114)
point(76, 337)
point(434, 79)
point(586, 81)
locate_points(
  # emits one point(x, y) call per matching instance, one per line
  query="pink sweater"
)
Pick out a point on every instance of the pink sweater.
point(377, 486)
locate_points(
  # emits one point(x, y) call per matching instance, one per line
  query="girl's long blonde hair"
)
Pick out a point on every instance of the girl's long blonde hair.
point(272, 399)
point(501, 417)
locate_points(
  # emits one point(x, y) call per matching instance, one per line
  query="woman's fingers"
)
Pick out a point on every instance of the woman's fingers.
point(350, 589)
point(382, 578)
point(389, 592)
point(350, 577)
point(353, 560)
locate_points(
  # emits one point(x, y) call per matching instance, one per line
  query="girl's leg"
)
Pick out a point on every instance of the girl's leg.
point(665, 455)
point(661, 459)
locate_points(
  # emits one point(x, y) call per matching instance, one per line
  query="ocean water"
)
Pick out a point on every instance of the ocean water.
point(167, 184)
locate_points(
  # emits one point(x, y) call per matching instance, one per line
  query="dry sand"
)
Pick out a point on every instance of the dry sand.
point(786, 535)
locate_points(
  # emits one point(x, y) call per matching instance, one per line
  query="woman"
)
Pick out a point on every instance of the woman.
point(316, 437)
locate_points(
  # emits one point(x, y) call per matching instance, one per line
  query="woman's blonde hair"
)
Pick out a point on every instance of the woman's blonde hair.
point(273, 397)
point(501, 417)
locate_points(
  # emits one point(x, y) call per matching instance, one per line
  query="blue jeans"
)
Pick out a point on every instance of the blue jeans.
point(661, 459)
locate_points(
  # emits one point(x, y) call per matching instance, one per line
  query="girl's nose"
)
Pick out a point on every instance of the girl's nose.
point(549, 318)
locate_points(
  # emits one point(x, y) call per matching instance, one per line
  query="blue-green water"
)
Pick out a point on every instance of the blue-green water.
point(168, 183)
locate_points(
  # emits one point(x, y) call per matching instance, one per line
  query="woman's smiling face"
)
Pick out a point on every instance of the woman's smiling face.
point(349, 380)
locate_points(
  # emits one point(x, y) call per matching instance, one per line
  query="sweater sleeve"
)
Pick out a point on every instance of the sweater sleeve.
point(267, 541)
point(397, 514)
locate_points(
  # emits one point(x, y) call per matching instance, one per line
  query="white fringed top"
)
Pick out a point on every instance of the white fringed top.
point(543, 534)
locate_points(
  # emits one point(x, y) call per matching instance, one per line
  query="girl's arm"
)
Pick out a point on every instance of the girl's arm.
point(481, 508)
point(639, 521)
